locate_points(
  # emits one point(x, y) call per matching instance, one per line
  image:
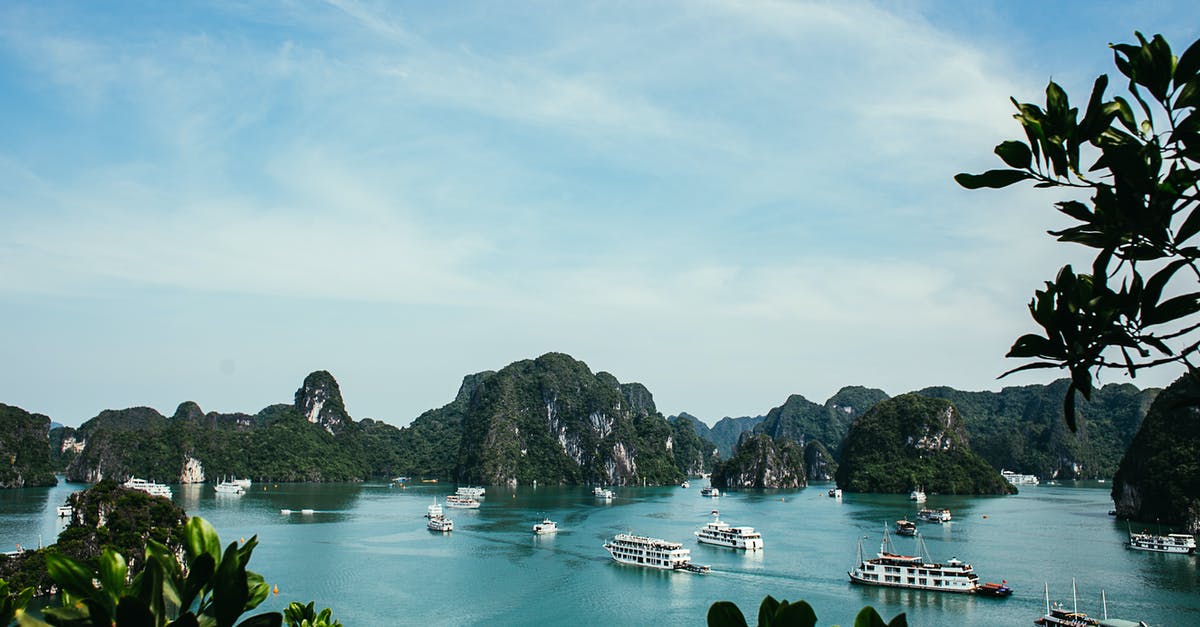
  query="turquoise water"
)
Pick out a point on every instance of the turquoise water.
point(365, 552)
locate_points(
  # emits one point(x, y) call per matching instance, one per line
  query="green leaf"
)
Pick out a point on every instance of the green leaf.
point(199, 537)
point(868, 617)
point(269, 619)
point(798, 614)
point(992, 178)
point(1173, 309)
point(131, 611)
point(1190, 227)
point(112, 573)
point(1016, 154)
point(1189, 96)
point(69, 574)
point(1188, 65)
point(766, 611)
point(725, 614)
point(1076, 210)
point(1155, 285)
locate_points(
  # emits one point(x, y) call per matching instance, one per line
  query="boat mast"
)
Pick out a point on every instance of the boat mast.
point(1047, 584)
point(1104, 603)
point(1074, 597)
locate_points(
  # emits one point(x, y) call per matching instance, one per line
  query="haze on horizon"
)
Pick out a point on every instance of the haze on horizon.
point(727, 202)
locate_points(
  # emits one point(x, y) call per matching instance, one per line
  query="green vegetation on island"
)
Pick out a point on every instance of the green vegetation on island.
point(24, 449)
point(762, 462)
point(911, 441)
point(1158, 480)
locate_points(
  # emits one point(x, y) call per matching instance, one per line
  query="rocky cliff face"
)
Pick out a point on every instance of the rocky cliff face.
point(1158, 480)
point(552, 420)
point(761, 462)
point(818, 462)
point(24, 449)
point(319, 400)
point(912, 441)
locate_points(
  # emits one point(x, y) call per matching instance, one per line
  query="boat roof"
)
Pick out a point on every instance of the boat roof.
point(1119, 622)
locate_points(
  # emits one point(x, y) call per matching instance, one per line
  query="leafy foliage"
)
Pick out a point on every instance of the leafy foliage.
point(1134, 309)
point(772, 613)
point(106, 517)
point(1159, 478)
point(911, 441)
point(213, 587)
point(12, 603)
point(299, 615)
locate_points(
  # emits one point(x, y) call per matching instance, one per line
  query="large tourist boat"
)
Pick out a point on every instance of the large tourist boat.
point(434, 510)
point(721, 534)
point(229, 487)
point(934, 515)
point(917, 495)
point(710, 491)
point(891, 569)
point(440, 524)
point(1019, 479)
point(461, 502)
point(906, 527)
point(473, 492)
point(149, 487)
point(652, 553)
point(1170, 543)
point(602, 493)
point(545, 527)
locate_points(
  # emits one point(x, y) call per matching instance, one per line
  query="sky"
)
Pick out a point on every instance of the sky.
point(729, 202)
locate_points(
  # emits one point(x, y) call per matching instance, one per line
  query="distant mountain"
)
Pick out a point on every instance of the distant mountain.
point(694, 454)
point(312, 439)
point(911, 441)
point(1158, 479)
point(25, 449)
point(803, 421)
point(724, 434)
point(1022, 429)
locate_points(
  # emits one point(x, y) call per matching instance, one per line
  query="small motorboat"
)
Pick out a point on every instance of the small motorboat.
point(545, 527)
point(906, 527)
point(994, 590)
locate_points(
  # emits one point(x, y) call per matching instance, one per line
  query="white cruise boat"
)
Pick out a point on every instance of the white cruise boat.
point(1170, 543)
point(685, 485)
point(470, 491)
point(461, 502)
point(64, 511)
point(545, 527)
point(917, 495)
point(710, 491)
point(440, 524)
point(835, 493)
point(229, 487)
point(934, 515)
point(721, 534)
point(434, 510)
point(891, 569)
point(149, 487)
point(651, 553)
point(603, 493)
point(1019, 479)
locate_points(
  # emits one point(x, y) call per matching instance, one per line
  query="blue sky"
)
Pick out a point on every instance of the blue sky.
point(729, 202)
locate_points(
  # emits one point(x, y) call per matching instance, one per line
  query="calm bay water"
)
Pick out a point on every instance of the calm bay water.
point(365, 552)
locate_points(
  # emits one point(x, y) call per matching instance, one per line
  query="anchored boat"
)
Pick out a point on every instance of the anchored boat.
point(652, 553)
